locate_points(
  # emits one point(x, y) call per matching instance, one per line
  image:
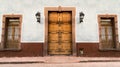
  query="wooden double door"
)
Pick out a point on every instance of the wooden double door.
point(12, 33)
point(60, 33)
point(107, 34)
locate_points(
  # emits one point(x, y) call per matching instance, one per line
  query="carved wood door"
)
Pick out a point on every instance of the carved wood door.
point(60, 33)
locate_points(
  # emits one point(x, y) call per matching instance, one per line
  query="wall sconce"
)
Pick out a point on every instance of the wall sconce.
point(81, 15)
point(38, 16)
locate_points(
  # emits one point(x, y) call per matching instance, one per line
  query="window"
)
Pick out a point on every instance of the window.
point(108, 32)
point(11, 32)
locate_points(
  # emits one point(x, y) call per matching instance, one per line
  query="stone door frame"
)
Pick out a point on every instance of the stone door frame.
point(46, 10)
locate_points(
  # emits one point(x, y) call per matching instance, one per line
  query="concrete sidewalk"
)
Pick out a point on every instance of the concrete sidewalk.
point(56, 59)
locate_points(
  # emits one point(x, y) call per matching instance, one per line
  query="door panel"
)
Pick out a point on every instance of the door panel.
point(53, 17)
point(53, 38)
point(59, 33)
point(51, 49)
point(66, 28)
point(66, 37)
point(53, 28)
point(66, 17)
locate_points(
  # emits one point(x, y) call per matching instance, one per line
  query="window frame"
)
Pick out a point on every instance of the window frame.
point(4, 22)
point(115, 29)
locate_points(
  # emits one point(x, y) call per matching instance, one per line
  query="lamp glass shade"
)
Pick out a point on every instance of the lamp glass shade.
point(81, 17)
point(37, 16)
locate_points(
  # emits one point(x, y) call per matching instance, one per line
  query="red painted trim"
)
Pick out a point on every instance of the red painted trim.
point(27, 50)
point(36, 50)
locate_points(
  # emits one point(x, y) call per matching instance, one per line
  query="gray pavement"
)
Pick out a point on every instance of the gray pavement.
point(60, 61)
point(94, 64)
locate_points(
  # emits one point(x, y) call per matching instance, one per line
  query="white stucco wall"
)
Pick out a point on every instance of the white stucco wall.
point(34, 32)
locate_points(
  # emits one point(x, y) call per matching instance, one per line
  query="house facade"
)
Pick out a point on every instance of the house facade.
point(60, 28)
